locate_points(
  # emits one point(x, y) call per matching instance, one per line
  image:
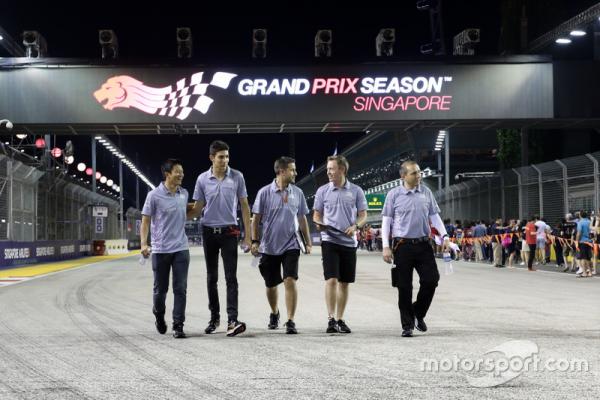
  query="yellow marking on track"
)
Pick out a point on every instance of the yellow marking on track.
point(42, 269)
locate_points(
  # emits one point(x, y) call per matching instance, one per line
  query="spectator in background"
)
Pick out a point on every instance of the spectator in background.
point(531, 237)
point(585, 245)
point(568, 231)
point(540, 243)
point(478, 233)
point(497, 231)
point(513, 242)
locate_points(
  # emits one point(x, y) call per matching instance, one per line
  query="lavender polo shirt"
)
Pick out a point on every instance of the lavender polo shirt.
point(339, 208)
point(279, 210)
point(410, 211)
point(167, 219)
point(220, 197)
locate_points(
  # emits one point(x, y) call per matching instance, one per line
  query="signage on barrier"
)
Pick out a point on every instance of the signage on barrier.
point(100, 211)
point(99, 225)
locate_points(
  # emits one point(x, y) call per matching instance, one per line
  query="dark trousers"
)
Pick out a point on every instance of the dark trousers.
point(531, 256)
point(408, 257)
point(161, 266)
point(560, 259)
point(227, 244)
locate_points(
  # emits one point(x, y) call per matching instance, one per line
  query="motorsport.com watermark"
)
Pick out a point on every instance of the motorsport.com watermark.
point(503, 363)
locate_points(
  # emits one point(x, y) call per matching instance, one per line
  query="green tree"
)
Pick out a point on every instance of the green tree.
point(509, 148)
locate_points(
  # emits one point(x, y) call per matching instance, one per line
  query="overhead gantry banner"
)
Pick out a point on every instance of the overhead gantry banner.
point(82, 95)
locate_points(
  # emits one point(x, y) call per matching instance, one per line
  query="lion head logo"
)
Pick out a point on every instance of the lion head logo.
point(175, 101)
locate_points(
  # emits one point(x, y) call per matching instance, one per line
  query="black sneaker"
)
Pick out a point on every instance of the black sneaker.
point(178, 331)
point(342, 327)
point(273, 321)
point(212, 326)
point(161, 325)
point(420, 324)
point(407, 333)
point(332, 326)
point(235, 328)
point(290, 327)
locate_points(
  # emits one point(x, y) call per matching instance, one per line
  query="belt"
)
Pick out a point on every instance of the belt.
point(217, 230)
point(400, 240)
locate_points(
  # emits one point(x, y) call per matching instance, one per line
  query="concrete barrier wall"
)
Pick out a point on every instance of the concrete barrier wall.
point(22, 253)
point(118, 246)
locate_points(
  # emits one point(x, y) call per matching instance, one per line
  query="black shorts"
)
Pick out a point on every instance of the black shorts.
point(585, 251)
point(270, 267)
point(339, 262)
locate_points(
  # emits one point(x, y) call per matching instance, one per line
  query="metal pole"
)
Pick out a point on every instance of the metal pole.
point(447, 155)
point(596, 195)
point(93, 165)
point(9, 226)
point(565, 186)
point(520, 193)
point(503, 199)
point(121, 198)
point(490, 199)
point(439, 168)
point(540, 190)
point(137, 185)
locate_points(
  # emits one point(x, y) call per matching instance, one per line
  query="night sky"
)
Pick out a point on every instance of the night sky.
point(224, 39)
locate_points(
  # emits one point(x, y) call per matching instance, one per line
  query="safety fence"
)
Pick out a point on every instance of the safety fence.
point(549, 190)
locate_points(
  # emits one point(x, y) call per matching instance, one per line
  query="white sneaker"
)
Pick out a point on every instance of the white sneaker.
point(579, 271)
point(521, 263)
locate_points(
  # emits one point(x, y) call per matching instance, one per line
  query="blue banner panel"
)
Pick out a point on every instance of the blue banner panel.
point(22, 253)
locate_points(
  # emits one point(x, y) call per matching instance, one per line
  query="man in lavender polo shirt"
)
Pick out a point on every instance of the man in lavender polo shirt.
point(217, 193)
point(340, 209)
point(165, 213)
point(281, 207)
point(409, 209)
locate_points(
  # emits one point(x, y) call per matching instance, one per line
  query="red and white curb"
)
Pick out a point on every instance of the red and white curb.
point(13, 279)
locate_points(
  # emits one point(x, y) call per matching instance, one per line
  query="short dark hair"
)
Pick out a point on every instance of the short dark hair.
point(167, 166)
point(341, 162)
point(404, 166)
point(217, 146)
point(282, 163)
point(584, 214)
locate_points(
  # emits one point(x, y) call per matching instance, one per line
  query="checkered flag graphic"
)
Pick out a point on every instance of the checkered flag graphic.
point(190, 94)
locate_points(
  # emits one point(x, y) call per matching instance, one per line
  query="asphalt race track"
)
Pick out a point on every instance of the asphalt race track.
point(89, 333)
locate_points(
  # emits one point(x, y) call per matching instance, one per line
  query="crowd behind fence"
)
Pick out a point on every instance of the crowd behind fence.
point(550, 190)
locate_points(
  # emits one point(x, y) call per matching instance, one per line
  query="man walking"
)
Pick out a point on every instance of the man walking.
point(281, 208)
point(340, 209)
point(409, 209)
point(164, 213)
point(217, 193)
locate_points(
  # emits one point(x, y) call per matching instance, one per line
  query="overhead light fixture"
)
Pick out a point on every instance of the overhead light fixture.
point(323, 43)
point(259, 43)
point(56, 152)
point(35, 44)
point(69, 160)
point(103, 179)
point(109, 182)
point(184, 42)
point(577, 32)
point(81, 167)
point(563, 40)
point(108, 43)
point(424, 5)
point(40, 143)
point(21, 136)
point(384, 42)
point(465, 41)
